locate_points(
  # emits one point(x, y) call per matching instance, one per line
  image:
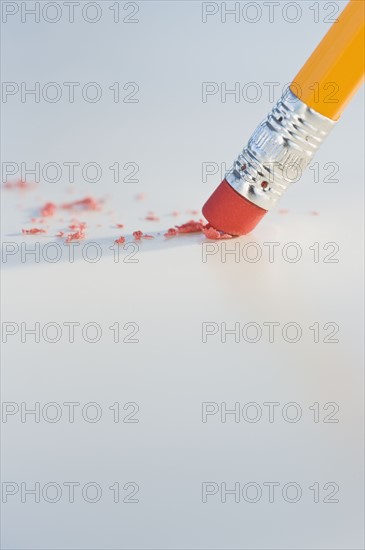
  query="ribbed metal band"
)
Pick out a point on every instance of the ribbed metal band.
point(279, 150)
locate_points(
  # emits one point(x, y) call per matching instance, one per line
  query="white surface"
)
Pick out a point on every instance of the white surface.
point(170, 292)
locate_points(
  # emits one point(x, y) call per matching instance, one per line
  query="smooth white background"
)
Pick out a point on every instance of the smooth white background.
point(170, 292)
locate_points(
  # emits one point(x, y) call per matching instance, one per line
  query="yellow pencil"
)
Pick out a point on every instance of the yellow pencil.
point(285, 142)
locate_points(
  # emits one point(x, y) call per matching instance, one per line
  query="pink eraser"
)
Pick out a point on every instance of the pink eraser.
point(227, 211)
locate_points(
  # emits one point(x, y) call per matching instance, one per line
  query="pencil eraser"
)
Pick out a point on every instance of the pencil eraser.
point(227, 211)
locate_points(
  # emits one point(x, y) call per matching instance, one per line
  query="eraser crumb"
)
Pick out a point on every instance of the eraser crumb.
point(171, 232)
point(22, 185)
point(33, 231)
point(48, 209)
point(213, 234)
point(121, 240)
point(79, 235)
point(137, 235)
point(190, 227)
point(80, 226)
point(88, 203)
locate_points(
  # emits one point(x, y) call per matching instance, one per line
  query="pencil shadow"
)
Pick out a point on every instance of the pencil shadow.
point(43, 249)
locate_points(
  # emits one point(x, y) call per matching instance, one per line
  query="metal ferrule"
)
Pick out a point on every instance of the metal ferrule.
point(279, 150)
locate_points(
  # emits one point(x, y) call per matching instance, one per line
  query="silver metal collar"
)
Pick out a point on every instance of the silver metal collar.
point(279, 150)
